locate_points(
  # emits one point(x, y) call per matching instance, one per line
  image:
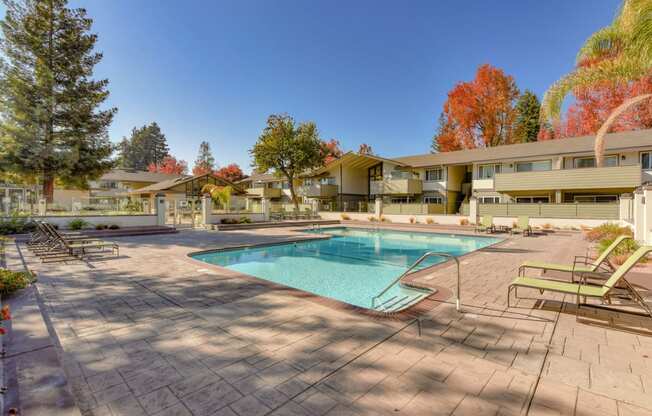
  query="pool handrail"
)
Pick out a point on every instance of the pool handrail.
point(415, 264)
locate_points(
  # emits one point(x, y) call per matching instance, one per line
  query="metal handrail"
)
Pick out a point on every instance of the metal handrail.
point(415, 264)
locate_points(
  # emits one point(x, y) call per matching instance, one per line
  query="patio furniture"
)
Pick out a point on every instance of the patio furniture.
point(581, 264)
point(615, 282)
point(523, 226)
point(59, 248)
point(486, 224)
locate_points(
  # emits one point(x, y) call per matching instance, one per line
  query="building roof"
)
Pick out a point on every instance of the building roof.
point(133, 175)
point(170, 183)
point(584, 144)
point(356, 160)
point(260, 177)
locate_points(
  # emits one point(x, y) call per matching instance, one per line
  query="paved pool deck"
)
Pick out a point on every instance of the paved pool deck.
point(154, 332)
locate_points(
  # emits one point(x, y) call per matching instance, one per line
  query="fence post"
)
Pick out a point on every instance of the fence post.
point(160, 209)
point(378, 209)
point(473, 210)
point(206, 209)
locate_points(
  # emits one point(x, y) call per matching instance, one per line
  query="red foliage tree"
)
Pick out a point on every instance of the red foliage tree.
point(170, 165)
point(199, 170)
point(479, 113)
point(332, 150)
point(230, 172)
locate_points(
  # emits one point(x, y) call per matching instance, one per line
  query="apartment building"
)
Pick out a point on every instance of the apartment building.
point(556, 171)
point(266, 185)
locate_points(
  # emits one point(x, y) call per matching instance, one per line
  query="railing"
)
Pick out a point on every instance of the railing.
point(552, 210)
point(414, 209)
point(420, 260)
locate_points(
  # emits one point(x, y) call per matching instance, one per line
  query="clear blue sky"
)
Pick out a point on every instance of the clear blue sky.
point(364, 71)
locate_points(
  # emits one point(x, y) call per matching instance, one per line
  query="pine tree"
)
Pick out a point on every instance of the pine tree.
point(527, 123)
point(147, 145)
point(51, 123)
point(205, 161)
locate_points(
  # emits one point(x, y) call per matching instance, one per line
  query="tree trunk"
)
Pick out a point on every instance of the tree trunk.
point(48, 188)
point(293, 194)
point(602, 132)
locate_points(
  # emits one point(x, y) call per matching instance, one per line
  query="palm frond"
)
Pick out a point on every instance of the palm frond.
point(602, 43)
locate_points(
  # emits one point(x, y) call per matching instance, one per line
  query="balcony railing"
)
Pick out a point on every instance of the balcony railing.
point(396, 187)
point(318, 190)
point(264, 192)
point(617, 177)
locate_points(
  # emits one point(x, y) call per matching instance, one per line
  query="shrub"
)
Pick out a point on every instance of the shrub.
point(345, 217)
point(245, 220)
point(607, 230)
point(384, 219)
point(228, 221)
point(430, 221)
point(547, 226)
point(13, 281)
point(464, 221)
point(101, 226)
point(412, 220)
point(16, 225)
point(372, 219)
point(113, 227)
point(77, 224)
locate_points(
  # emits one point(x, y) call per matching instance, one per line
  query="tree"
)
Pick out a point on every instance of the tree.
point(287, 149)
point(528, 114)
point(51, 123)
point(445, 138)
point(205, 162)
point(331, 149)
point(231, 173)
point(480, 113)
point(365, 149)
point(620, 53)
point(219, 194)
point(169, 165)
point(147, 145)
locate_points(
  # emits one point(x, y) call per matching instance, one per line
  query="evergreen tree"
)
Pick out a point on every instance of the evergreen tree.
point(51, 124)
point(527, 123)
point(147, 145)
point(205, 161)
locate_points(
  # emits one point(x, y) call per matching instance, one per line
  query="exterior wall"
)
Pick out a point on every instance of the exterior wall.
point(64, 197)
point(455, 177)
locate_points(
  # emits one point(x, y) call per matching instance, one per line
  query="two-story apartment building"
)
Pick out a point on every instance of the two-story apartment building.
point(266, 185)
point(547, 171)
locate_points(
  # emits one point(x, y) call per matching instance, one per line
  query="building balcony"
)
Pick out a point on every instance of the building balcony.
point(396, 187)
point(264, 192)
point(615, 178)
point(319, 191)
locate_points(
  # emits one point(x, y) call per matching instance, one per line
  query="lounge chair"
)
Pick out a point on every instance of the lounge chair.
point(59, 248)
point(615, 282)
point(486, 224)
point(523, 226)
point(581, 264)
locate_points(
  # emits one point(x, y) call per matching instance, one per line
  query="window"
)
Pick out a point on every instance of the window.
point(401, 174)
point(488, 171)
point(401, 200)
point(646, 160)
point(489, 199)
point(595, 198)
point(376, 173)
point(589, 162)
point(433, 200)
point(327, 181)
point(536, 166)
point(532, 199)
point(433, 175)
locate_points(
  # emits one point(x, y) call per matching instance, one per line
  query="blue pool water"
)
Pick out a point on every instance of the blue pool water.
point(352, 266)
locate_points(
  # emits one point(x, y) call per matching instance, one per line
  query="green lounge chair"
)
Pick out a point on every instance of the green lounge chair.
point(486, 224)
point(523, 226)
point(615, 282)
point(581, 264)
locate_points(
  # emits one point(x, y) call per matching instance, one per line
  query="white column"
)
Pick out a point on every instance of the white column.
point(315, 206)
point(625, 208)
point(206, 209)
point(378, 211)
point(160, 209)
point(42, 207)
point(264, 202)
point(639, 218)
point(473, 210)
point(647, 215)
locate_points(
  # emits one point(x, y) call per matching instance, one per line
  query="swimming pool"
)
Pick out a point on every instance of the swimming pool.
point(352, 266)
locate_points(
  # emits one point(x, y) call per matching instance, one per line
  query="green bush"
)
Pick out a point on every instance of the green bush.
point(101, 227)
point(77, 224)
point(13, 281)
point(625, 248)
point(114, 227)
point(245, 220)
point(16, 225)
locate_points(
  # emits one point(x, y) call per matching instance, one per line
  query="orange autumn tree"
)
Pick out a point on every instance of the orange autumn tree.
point(478, 113)
point(331, 150)
point(170, 165)
point(231, 173)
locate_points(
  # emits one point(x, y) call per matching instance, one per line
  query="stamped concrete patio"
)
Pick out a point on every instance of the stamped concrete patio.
point(154, 332)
